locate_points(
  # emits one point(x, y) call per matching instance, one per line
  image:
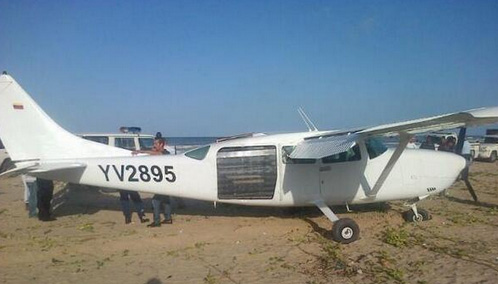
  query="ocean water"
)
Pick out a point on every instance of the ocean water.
point(190, 141)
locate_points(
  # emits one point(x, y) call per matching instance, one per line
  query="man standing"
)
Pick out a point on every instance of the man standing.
point(124, 198)
point(159, 200)
point(44, 195)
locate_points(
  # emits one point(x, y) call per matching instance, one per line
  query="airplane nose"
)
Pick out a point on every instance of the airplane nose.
point(443, 164)
point(459, 164)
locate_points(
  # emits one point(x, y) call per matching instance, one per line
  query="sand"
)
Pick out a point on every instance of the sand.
point(89, 242)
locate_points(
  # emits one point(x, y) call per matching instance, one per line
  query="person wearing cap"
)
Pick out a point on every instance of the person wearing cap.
point(159, 200)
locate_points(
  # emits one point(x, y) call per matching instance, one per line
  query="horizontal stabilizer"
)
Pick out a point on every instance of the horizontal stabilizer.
point(20, 170)
point(33, 168)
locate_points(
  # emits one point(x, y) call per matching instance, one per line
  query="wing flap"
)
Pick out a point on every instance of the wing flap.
point(319, 148)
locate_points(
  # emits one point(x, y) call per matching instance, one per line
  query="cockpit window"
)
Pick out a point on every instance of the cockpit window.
point(287, 150)
point(199, 153)
point(375, 147)
point(352, 154)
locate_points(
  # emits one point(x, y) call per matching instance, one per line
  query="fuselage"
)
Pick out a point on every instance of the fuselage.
point(257, 171)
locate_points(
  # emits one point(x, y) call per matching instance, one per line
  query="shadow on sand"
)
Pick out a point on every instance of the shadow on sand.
point(472, 202)
point(77, 199)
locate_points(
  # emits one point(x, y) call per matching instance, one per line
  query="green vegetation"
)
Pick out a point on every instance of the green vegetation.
point(396, 237)
point(87, 227)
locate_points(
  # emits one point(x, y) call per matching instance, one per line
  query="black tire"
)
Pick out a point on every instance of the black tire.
point(423, 215)
point(6, 165)
point(493, 157)
point(345, 231)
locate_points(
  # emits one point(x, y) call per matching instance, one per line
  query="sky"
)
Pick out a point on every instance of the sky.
point(216, 68)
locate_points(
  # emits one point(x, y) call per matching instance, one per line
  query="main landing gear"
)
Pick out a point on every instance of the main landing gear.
point(344, 230)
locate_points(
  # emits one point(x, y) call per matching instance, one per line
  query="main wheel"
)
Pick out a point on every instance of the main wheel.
point(423, 215)
point(493, 157)
point(345, 231)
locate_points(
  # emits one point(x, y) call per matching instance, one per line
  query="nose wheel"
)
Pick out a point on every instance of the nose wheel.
point(417, 215)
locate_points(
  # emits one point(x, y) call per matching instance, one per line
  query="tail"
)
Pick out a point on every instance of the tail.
point(28, 133)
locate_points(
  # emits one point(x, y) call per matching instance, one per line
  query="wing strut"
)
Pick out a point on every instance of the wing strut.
point(404, 138)
point(326, 210)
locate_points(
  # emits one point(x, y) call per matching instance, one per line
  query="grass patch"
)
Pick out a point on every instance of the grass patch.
point(209, 279)
point(396, 237)
point(87, 227)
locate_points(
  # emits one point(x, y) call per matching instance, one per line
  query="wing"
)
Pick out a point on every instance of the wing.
point(327, 144)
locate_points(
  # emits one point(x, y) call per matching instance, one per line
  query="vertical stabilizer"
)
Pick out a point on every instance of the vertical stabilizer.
point(28, 133)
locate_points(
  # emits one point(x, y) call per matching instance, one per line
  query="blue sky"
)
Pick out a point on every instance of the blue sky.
point(201, 68)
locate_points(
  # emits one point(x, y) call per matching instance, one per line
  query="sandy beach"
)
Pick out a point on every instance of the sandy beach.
point(89, 242)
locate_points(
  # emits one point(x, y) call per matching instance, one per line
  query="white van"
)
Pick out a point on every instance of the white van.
point(129, 141)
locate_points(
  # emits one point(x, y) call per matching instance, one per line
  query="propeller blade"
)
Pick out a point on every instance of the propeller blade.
point(461, 139)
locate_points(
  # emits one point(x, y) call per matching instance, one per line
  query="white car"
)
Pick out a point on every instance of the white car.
point(489, 148)
point(5, 162)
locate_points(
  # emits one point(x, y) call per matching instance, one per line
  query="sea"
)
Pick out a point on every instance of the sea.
point(179, 145)
point(190, 141)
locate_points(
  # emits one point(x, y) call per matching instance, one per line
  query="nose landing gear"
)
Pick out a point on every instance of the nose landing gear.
point(416, 215)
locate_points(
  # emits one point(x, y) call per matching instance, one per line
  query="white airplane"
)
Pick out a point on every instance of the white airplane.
point(314, 168)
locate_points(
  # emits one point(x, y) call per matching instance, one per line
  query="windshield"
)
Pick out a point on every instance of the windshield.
point(491, 140)
point(146, 143)
point(199, 153)
point(375, 147)
point(98, 139)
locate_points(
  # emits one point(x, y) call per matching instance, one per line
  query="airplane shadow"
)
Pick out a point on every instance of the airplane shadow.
point(472, 202)
point(77, 199)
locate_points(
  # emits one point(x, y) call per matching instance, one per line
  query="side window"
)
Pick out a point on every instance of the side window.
point(352, 154)
point(375, 147)
point(98, 139)
point(126, 143)
point(287, 150)
point(1, 145)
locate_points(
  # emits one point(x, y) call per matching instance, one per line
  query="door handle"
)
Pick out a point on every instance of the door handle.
point(325, 169)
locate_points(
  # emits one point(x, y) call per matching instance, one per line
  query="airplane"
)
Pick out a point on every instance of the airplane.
point(312, 168)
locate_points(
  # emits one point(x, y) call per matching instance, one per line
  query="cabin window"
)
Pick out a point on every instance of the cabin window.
point(352, 154)
point(287, 150)
point(199, 153)
point(98, 139)
point(247, 172)
point(126, 143)
point(375, 147)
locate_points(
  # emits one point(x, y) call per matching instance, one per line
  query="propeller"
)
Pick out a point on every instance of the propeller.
point(465, 172)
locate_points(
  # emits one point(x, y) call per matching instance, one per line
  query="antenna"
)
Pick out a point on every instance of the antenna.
point(311, 126)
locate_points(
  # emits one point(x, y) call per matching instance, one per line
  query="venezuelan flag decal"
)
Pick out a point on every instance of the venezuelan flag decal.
point(18, 106)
